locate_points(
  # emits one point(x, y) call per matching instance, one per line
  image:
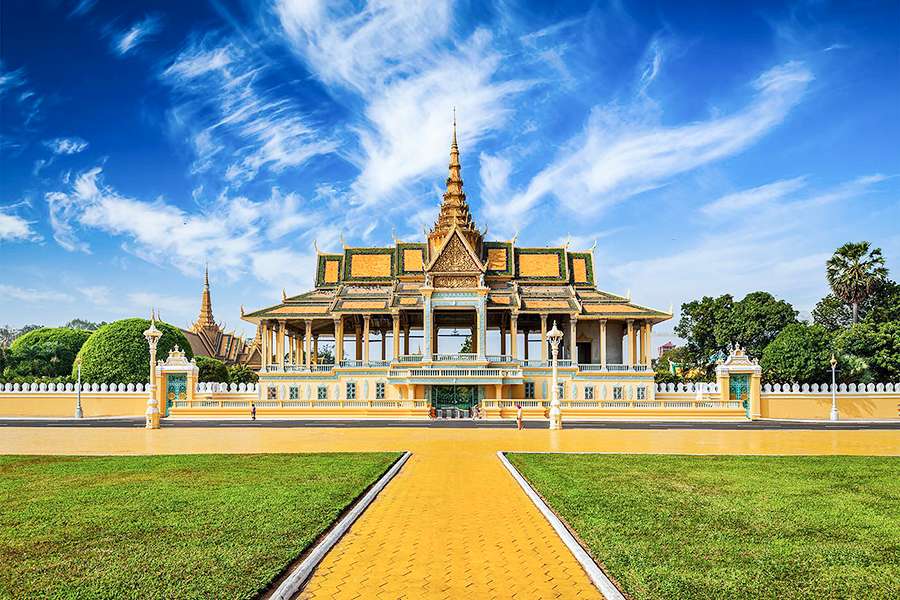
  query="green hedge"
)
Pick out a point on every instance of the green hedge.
point(211, 369)
point(44, 352)
point(118, 352)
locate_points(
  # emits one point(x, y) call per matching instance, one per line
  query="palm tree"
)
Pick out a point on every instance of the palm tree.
point(854, 273)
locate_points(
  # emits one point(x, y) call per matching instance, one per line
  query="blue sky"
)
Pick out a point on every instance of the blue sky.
point(705, 147)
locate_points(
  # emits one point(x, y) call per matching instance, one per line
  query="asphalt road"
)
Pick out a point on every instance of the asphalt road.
point(451, 424)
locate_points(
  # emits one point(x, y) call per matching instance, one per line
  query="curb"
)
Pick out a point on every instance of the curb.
point(298, 577)
point(595, 573)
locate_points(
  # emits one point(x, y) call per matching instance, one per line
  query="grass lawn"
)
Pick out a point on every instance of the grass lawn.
point(731, 527)
point(190, 526)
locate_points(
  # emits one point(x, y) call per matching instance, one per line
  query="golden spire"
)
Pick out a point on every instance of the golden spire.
point(206, 315)
point(454, 209)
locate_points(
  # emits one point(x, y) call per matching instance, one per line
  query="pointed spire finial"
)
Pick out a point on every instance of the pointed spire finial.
point(206, 275)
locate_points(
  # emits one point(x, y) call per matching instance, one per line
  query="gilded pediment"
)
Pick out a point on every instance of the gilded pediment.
point(455, 256)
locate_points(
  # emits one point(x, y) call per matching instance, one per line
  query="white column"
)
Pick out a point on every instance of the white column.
point(366, 338)
point(264, 344)
point(603, 344)
point(544, 338)
point(426, 330)
point(648, 348)
point(307, 344)
point(280, 344)
point(513, 334)
point(632, 351)
point(338, 340)
point(573, 342)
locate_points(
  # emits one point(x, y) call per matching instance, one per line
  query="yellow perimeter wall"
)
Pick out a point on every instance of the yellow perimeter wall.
point(859, 405)
point(783, 405)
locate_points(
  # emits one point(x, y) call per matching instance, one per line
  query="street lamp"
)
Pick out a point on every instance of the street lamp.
point(152, 335)
point(554, 336)
point(78, 412)
point(834, 409)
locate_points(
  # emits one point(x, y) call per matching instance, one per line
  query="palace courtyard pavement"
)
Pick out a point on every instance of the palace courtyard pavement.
point(453, 523)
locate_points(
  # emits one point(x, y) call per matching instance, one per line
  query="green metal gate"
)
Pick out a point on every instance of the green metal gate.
point(176, 389)
point(739, 390)
point(448, 397)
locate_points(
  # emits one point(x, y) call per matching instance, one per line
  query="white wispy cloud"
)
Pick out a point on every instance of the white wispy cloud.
point(22, 294)
point(14, 228)
point(619, 155)
point(63, 145)
point(138, 33)
point(236, 235)
point(778, 246)
point(403, 62)
point(82, 7)
point(231, 119)
point(754, 197)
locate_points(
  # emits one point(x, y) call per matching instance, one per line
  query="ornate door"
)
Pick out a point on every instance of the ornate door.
point(739, 390)
point(461, 397)
point(176, 389)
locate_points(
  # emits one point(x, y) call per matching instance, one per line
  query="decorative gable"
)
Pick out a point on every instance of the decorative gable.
point(455, 256)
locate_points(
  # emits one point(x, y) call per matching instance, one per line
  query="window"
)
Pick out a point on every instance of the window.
point(561, 387)
point(272, 392)
point(293, 392)
point(588, 392)
point(351, 391)
point(322, 393)
point(379, 391)
point(617, 392)
point(642, 392)
point(529, 390)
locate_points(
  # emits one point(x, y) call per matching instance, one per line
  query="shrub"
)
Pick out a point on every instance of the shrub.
point(242, 374)
point(878, 344)
point(801, 353)
point(118, 352)
point(44, 352)
point(212, 369)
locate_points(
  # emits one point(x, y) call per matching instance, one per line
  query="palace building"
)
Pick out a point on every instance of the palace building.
point(208, 338)
point(386, 312)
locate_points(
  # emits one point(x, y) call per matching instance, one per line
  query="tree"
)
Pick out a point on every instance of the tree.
point(9, 334)
point(241, 374)
point(801, 353)
point(466, 347)
point(678, 361)
point(754, 322)
point(854, 272)
point(86, 325)
point(883, 305)
point(211, 369)
point(118, 352)
point(44, 352)
point(711, 325)
point(697, 325)
point(878, 344)
point(326, 354)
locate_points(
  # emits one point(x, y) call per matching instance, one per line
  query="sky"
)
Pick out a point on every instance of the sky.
point(704, 147)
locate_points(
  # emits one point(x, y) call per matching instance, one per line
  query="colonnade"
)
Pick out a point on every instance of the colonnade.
point(282, 343)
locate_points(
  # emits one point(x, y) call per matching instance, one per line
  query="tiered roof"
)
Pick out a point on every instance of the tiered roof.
point(455, 255)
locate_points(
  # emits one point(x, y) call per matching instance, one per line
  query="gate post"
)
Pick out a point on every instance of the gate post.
point(738, 363)
point(175, 369)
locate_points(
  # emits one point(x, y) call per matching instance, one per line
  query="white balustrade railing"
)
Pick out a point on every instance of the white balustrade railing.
point(464, 372)
point(617, 367)
point(232, 388)
point(535, 362)
point(349, 362)
point(502, 358)
point(410, 358)
point(458, 357)
point(825, 388)
point(113, 388)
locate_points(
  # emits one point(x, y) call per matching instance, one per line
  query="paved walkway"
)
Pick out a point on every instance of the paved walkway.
point(453, 523)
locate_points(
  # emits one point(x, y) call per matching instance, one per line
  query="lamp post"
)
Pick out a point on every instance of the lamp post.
point(554, 336)
point(78, 412)
point(834, 409)
point(152, 335)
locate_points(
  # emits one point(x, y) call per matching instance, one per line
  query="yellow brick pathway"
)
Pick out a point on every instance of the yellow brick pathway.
point(453, 523)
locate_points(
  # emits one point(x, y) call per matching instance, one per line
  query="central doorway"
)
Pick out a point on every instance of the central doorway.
point(453, 401)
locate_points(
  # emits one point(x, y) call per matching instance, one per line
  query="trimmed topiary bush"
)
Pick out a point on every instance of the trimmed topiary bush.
point(44, 352)
point(212, 369)
point(242, 374)
point(118, 352)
